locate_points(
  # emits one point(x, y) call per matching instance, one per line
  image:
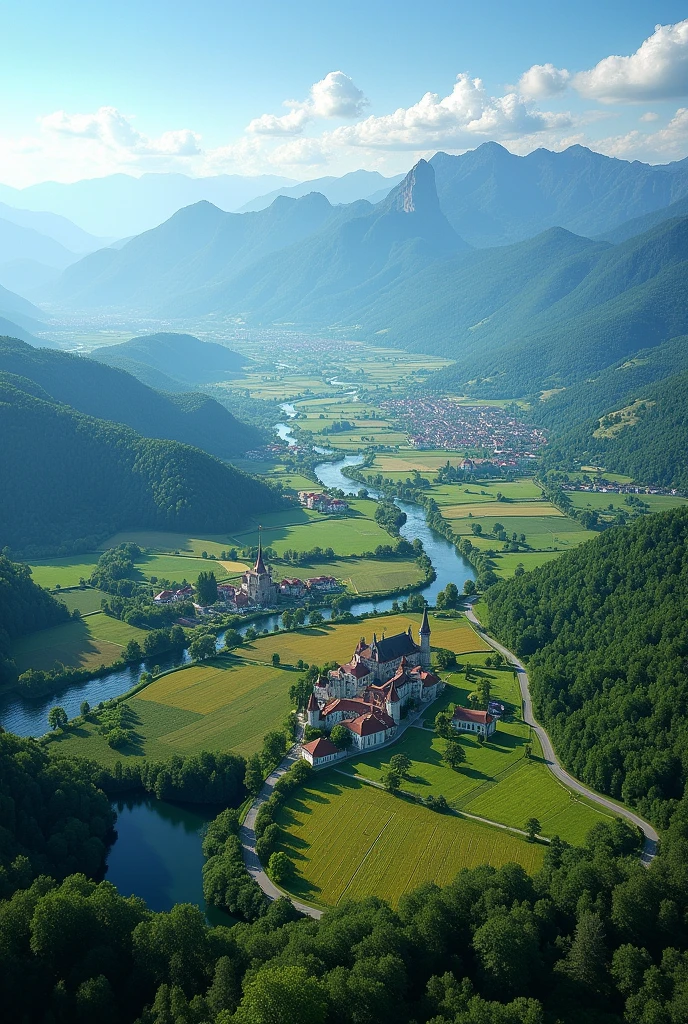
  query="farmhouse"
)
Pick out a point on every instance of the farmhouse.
point(322, 584)
point(368, 693)
point(481, 723)
point(292, 587)
point(323, 502)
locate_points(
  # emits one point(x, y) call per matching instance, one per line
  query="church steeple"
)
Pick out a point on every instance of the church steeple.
point(260, 564)
point(424, 634)
point(425, 625)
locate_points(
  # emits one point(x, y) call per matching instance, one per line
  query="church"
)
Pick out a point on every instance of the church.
point(368, 694)
point(257, 583)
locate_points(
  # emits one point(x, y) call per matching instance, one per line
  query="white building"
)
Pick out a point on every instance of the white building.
point(480, 723)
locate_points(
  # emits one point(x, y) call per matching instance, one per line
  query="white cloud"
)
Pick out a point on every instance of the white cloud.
point(543, 80)
point(335, 95)
point(649, 116)
point(467, 116)
point(657, 70)
point(112, 129)
point(670, 143)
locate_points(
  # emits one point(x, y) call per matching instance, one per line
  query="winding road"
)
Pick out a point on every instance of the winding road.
point(248, 835)
point(551, 760)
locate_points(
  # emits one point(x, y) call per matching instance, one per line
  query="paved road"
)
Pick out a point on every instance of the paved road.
point(247, 834)
point(551, 760)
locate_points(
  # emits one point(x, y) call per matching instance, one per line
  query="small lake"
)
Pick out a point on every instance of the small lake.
point(158, 854)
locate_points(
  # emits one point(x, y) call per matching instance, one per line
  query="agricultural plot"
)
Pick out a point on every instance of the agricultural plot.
point(63, 572)
point(600, 502)
point(360, 576)
point(532, 790)
point(86, 601)
point(320, 644)
point(165, 542)
point(392, 846)
point(507, 563)
point(346, 535)
point(186, 567)
point(94, 641)
point(226, 704)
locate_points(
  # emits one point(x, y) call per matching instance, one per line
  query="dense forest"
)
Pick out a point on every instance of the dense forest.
point(24, 607)
point(75, 479)
point(593, 938)
point(605, 632)
point(113, 394)
point(647, 442)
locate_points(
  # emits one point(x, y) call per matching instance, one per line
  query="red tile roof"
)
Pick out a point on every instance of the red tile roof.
point(320, 748)
point(312, 703)
point(354, 668)
point(468, 715)
point(346, 704)
point(369, 724)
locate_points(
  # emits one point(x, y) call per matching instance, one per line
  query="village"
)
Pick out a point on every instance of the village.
point(443, 423)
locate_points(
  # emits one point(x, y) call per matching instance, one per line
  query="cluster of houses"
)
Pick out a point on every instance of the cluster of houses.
point(323, 502)
point(293, 587)
point(169, 596)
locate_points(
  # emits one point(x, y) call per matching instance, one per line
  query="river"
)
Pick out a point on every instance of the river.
point(30, 717)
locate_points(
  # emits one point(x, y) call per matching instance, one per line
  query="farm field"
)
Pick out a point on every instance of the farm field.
point(172, 543)
point(63, 572)
point(392, 845)
point(320, 644)
point(224, 704)
point(87, 600)
point(598, 501)
point(94, 641)
point(367, 425)
point(346, 535)
point(177, 568)
point(507, 563)
point(360, 575)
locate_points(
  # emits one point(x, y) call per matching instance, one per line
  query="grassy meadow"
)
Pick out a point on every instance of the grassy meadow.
point(360, 576)
point(303, 529)
point(89, 643)
point(392, 846)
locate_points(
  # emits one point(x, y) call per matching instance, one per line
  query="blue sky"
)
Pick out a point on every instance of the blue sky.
point(92, 88)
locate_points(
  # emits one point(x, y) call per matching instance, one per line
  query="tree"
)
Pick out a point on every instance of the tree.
point(497, 529)
point(84, 708)
point(451, 595)
point(299, 617)
point(476, 529)
point(446, 659)
point(282, 995)
point(206, 588)
point(485, 691)
point(533, 828)
point(586, 960)
point(341, 737)
point(316, 618)
point(253, 776)
point(454, 754)
point(275, 659)
point(280, 868)
point(274, 749)
point(469, 587)
point(233, 638)
point(202, 647)
point(288, 619)
point(57, 718)
point(400, 763)
point(391, 781)
point(443, 725)
point(133, 652)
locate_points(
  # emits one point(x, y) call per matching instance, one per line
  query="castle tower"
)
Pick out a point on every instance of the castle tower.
point(313, 711)
point(424, 634)
point(258, 581)
point(393, 705)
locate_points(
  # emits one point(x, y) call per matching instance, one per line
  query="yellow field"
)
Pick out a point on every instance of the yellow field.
point(324, 643)
point(501, 510)
point(350, 840)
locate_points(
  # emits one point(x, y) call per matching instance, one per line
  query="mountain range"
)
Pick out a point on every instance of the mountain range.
point(105, 392)
point(351, 187)
point(177, 359)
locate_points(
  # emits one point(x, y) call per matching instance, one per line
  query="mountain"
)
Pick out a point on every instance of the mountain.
point(331, 274)
point(111, 394)
point(180, 357)
point(119, 204)
point(28, 277)
point(10, 302)
point(644, 435)
point(75, 479)
point(60, 229)
point(605, 633)
point(492, 197)
point(639, 225)
point(13, 330)
point(22, 243)
point(197, 247)
point(347, 189)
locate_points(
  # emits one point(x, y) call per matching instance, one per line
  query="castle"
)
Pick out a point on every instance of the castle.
point(257, 583)
point(368, 694)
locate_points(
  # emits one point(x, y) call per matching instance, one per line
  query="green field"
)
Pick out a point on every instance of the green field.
point(506, 563)
point(172, 543)
point(226, 704)
point(303, 530)
point(94, 641)
point(368, 425)
point(350, 840)
point(63, 572)
point(86, 600)
point(360, 576)
point(600, 502)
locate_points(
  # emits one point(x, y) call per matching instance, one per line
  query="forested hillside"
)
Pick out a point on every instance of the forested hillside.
point(73, 479)
point(182, 357)
point(112, 394)
point(644, 436)
point(24, 607)
point(606, 634)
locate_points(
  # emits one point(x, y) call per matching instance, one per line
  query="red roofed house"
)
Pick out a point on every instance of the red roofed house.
point(320, 751)
point(164, 597)
point(480, 723)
